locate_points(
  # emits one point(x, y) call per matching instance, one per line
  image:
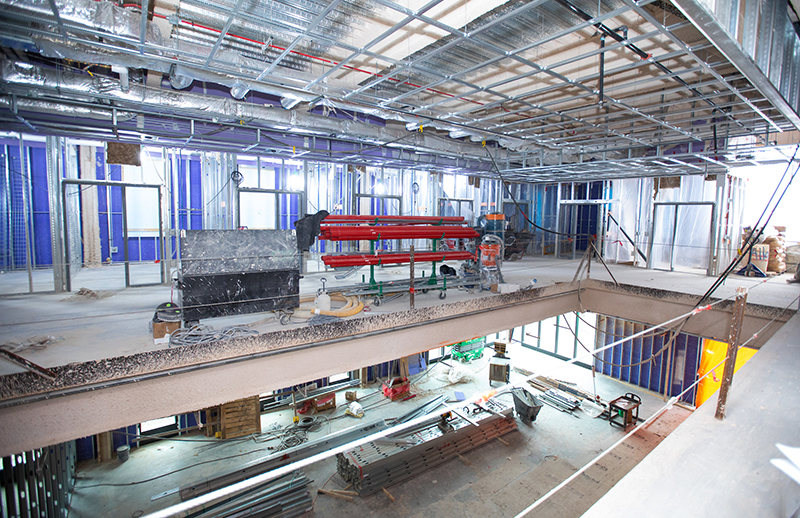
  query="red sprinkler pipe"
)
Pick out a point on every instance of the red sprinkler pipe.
point(407, 220)
point(358, 233)
point(339, 261)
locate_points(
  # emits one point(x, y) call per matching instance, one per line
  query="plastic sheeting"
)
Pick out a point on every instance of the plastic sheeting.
point(628, 213)
point(691, 235)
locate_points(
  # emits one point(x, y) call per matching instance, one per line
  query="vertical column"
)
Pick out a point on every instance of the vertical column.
point(411, 289)
point(26, 212)
point(90, 224)
point(733, 346)
point(54, 163)
point(233, 165)
point(172, 229)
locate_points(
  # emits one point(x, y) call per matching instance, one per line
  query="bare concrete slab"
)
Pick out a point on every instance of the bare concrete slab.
point(708, 467)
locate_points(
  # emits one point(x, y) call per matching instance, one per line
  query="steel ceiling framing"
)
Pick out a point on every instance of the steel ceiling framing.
point(685, 91)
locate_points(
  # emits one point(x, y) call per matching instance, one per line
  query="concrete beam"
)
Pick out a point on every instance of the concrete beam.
point(120, 402)
point(653, 306)
point(94, 397)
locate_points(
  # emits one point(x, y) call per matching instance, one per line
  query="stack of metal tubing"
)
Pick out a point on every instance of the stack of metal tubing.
point(283, 497)
point(338, 219)
point(372, 228)
point(340, 261)
point(379, 464)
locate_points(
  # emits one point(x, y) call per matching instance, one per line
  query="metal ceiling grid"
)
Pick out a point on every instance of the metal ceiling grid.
point(422, 63)
point(527, 71)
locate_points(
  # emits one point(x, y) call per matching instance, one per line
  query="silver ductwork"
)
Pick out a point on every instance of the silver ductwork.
point(38, 80)
point(106, 17)
point(239, 88)
point(178, 79)
point(58, 108)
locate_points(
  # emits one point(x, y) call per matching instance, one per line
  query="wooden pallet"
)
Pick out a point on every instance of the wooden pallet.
point(239, 418)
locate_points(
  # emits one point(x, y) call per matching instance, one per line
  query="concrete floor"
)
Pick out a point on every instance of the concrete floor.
point(494, 480)
point(116, 323)
point(500, 480)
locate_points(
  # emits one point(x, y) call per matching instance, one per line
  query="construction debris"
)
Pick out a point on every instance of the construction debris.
point(33, 342)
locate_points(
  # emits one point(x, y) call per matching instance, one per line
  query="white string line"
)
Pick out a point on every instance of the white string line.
point(645, 423)
point(186, 507)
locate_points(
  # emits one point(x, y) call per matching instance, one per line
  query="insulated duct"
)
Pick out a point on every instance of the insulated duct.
point(239, 88)
point(28, 77)
point(57, 108)
point(106, 17)
point(178, 80)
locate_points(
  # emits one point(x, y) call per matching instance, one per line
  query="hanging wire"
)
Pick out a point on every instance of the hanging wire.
point(755, 236)
point(649, 360)
point(641, 425)
point(511, 194)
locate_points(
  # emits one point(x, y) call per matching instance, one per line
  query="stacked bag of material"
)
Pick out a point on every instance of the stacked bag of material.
point(777, 251)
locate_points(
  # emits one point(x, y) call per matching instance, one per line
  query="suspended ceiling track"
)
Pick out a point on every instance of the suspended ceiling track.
point(564, 114)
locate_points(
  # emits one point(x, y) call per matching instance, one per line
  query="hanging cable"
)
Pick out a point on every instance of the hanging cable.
point(754, 237)
point(643, 424)
point(649, 360)
point(511, 194)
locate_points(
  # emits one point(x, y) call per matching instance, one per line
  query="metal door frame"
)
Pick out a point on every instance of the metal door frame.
point(399, 199)
point(277, 192)
point(110, 183)
point(529, 203)
point(459, 200)
point(711, 238)
point(601, 223)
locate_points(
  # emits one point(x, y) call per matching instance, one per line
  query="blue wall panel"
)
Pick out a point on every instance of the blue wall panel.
point(41, 208)
point(84, 448)
point(195, 193)
point(148, 248)
point(684, 359)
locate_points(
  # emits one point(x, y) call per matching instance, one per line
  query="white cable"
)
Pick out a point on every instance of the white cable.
point(649, 420)
point(183, 508)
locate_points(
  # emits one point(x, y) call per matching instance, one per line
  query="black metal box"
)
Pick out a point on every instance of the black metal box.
point(228, 272)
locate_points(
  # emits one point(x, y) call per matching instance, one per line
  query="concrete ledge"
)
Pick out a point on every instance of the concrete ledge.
point(653, 306)
point(708, 467)
point(96, 396)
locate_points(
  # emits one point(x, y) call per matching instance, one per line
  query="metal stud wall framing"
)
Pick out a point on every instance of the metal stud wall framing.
point(38, 483)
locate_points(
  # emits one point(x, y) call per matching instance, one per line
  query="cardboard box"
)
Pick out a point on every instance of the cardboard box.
point(508, 288)
point(325, 402)
point(162, 329)
point(505, 288)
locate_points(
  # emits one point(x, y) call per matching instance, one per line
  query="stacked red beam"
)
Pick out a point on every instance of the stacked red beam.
point(339, 261)
point(405, 220)
point(358, 233)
